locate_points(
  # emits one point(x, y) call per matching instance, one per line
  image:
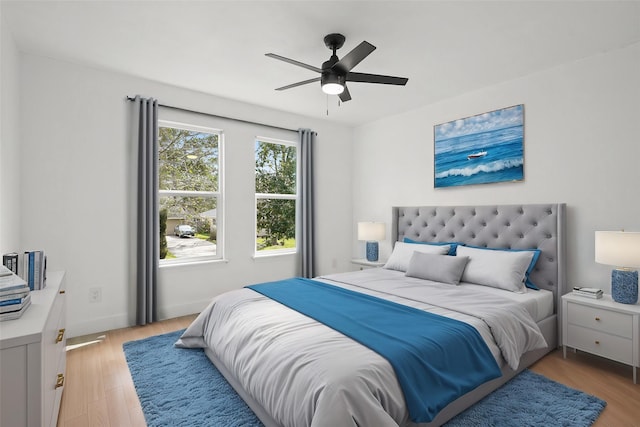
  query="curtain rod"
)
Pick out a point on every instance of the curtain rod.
point(220, 117)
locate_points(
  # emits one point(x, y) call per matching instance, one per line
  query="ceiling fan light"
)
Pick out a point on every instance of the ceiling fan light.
point(332, 88)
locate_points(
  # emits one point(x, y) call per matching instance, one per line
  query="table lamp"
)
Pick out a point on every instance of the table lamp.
point(622, 250)
point(371, 232)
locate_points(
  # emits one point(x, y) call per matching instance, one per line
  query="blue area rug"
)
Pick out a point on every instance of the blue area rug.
point(180, 387)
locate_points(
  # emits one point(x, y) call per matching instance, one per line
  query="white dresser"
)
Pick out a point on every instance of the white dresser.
point(32, 359)
point(602, 327)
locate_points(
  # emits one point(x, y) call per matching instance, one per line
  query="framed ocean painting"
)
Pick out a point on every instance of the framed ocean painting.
point(480, 149)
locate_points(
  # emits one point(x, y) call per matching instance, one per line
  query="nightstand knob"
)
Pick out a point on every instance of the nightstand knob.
point(597, 342)
point(598, 319)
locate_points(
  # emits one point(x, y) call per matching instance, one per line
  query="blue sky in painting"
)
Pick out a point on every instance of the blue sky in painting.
point(486, 122)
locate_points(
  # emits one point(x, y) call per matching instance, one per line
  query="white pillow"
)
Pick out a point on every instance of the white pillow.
point(439, 268)
point(497, 269)
point(401, 255)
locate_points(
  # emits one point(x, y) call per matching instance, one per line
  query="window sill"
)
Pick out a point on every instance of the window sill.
point(188, 262)
point(267, 256)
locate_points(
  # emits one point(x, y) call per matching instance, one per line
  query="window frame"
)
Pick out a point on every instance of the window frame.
point(218, 194)
point(267, 196)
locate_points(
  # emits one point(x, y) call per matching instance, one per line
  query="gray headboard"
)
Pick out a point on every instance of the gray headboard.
point(530, 226)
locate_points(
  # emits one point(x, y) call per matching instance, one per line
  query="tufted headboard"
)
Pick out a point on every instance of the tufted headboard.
point(530, 226)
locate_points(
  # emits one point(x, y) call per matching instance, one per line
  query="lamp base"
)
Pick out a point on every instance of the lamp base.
point(624, 286)
point(372, 252)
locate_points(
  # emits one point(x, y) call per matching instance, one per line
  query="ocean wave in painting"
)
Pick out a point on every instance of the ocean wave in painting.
point(487, 168)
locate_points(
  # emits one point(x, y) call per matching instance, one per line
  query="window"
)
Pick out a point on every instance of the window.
point(190, 182)
point(276, 194)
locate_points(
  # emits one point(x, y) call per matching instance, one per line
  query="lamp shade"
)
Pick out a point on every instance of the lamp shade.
point(618, 248)
point(371, 231)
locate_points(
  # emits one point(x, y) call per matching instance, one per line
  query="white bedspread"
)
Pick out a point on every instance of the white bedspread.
point(306, 374)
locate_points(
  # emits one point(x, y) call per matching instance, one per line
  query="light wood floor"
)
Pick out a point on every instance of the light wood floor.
point(99, 392)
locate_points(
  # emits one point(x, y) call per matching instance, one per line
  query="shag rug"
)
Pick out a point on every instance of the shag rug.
point(180, 387)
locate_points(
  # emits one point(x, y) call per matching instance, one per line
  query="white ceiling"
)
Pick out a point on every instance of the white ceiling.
point(445, 48)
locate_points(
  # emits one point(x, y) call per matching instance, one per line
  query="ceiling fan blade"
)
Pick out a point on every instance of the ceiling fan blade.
point(345, 95)
point(294, 62)
point(354, 57)
point(317, 79)
point(376, 78)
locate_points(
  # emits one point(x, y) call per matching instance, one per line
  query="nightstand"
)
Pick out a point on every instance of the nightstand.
point(602, 327)
point(363, 263)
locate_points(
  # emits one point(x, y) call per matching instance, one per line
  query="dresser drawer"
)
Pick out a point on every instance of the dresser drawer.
point(600, 319)
point(54, 343)
point(601, 344)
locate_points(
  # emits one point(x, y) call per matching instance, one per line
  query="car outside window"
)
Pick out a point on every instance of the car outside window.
point(189, 169)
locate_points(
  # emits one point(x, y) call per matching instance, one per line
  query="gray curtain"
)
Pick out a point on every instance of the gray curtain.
point(148, 227)
point(306, 243)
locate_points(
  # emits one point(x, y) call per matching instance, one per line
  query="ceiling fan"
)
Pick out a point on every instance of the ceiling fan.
point(335, 73)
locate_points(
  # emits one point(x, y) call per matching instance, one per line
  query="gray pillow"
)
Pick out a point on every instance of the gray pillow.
point(439, 268)
point(401, 255)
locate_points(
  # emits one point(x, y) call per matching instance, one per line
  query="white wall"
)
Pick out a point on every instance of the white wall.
point(582, 147)
point(78, 191)
point(9, 143)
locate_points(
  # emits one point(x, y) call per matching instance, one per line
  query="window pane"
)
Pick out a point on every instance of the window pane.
point(276, 219)
point(275, 168)
point(188, 160)
point(190, 228)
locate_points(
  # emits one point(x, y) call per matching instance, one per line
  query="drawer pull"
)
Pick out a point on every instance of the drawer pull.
point(598, 319)
point(60, 335)
point(62, 291)
point(597, 342)
point(60, 381)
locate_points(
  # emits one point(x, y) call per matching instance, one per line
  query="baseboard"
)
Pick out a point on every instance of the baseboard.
point(123, 320)
point(180, 310)
point(98, 325)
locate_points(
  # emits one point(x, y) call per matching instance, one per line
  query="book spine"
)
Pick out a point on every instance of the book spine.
point(30, 271)
point(36, 270)
point(10, 315)
point(10, 302)
point(14, 295)
point(43, 270)
point(10, 261)
point(588, 295)
point(25, 267)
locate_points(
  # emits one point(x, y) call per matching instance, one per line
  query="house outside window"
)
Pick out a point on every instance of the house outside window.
point(276, 196)
point(190, 192)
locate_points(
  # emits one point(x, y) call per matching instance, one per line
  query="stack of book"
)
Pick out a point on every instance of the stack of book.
point(15, 296)
point(588, 292)
point(34, 270)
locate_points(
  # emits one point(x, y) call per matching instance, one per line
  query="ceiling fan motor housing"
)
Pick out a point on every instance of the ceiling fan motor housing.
point(331, 76)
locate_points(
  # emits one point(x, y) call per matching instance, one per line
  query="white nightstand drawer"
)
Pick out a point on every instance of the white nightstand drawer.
point(620, 324)
point(601, 343)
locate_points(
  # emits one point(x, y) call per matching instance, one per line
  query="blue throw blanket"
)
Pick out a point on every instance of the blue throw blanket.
point(436, 359)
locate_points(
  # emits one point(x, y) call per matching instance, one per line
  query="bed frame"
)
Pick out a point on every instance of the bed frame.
point(539, 226)
point(529, 226)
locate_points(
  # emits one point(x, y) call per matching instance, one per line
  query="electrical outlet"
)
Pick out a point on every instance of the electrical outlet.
point(95, 294)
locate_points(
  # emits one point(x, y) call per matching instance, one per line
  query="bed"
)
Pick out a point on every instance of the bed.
point(294, 371)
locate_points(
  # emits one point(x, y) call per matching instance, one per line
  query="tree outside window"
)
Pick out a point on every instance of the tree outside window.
point(276, 194)
point(189, 184)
